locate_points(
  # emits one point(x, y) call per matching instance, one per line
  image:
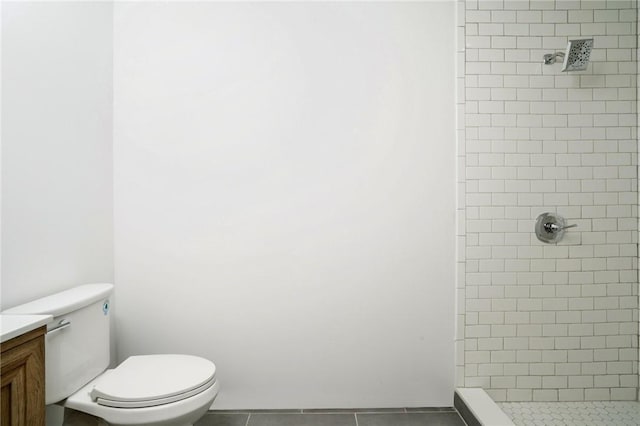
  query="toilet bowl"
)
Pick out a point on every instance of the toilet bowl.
point(150, 390)
point(154, 390)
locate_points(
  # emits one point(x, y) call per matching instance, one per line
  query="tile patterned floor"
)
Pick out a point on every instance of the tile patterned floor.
point(610, 413)
point(375, 417)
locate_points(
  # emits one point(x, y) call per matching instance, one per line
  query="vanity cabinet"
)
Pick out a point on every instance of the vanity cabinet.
point(22, 377)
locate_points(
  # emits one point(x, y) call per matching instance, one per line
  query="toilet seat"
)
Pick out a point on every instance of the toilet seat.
point(183, 412)
point(154, 402)
point(152, 380)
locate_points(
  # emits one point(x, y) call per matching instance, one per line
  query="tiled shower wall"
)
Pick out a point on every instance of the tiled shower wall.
point(545, 322)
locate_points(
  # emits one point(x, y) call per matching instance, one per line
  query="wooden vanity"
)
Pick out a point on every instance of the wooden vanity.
point(22, 370)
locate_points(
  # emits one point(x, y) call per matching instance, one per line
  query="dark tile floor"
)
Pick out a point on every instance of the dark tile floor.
point(373, 417)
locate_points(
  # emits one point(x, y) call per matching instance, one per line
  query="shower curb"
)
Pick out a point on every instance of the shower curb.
point(478, 409)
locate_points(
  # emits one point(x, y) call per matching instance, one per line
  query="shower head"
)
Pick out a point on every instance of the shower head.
point(576, 58)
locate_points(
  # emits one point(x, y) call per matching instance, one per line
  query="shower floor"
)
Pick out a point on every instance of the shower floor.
point(596, 413)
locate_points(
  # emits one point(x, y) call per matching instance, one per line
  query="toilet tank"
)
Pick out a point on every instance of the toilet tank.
point(77, 346)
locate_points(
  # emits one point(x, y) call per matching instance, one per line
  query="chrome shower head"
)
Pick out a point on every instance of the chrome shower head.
point(576, 58)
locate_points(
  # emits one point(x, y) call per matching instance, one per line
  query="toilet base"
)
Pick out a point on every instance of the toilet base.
point(78, 418)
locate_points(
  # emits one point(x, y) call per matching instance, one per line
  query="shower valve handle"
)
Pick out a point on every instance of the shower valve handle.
point(550, 227)
point(553, 227)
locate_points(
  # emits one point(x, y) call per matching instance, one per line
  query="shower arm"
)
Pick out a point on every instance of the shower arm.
point(550, 58)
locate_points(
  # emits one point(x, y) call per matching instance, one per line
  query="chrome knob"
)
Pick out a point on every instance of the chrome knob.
point(550, 227)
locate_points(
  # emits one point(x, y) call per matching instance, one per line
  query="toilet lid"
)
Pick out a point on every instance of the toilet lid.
point(148, 380)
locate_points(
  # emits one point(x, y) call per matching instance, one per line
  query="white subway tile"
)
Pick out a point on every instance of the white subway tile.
point(516, 30)
point(546, 29)
point(619, 54)
point(503, 68)
point(477, 16)
point(491, 107)
point(502, 42)
point(503, 16)
point(593, 29)
point(516, 55)
point(567, 4)
point(554, 43)
point(570, 30)
point(529, 42)
point(490, 81)
point(554, 382)
point(618, 80)
point(530, 68)
point(477, 68)
point(580, 382)
point(515, 5)
point(490, 4)
point(619, 28)
point(606, 15)
point(490, 29)
point(568, 107)
point(580, 16)
point(541, 4)
point(491, 55)
point(528, 16)
point(556, 16)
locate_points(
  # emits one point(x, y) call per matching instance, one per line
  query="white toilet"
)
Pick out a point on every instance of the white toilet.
point(171, 390)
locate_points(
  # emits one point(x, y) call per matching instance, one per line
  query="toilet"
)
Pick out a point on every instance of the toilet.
point(157, 390)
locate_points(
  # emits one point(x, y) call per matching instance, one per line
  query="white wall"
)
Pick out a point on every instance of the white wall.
point(57, 204)
point(57, 201)
point(284, 197)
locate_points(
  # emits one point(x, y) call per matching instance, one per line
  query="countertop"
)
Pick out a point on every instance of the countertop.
point(15, 325)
